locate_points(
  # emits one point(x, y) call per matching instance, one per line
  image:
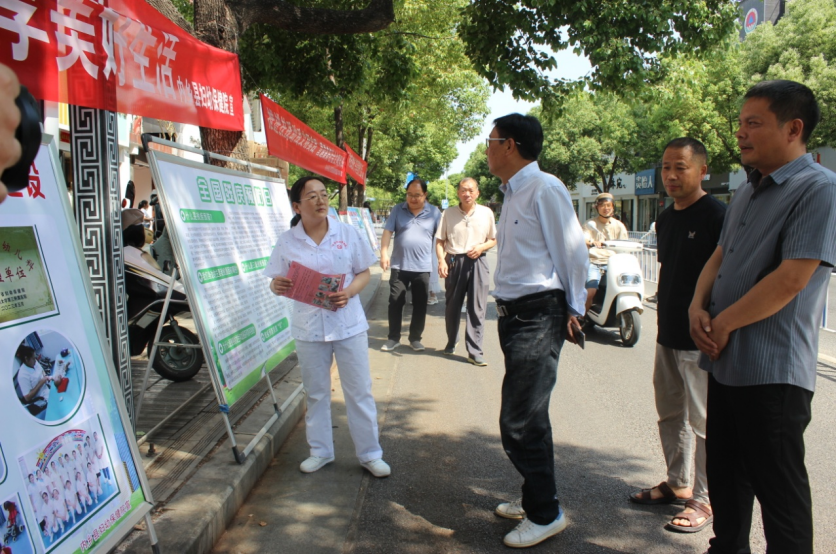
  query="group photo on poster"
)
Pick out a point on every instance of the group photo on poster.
point(48, 376)
point(68, 479)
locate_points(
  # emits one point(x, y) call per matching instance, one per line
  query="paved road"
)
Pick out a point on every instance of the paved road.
point(440, 434)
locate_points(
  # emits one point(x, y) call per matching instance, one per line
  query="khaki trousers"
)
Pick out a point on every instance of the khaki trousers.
point(681, 389)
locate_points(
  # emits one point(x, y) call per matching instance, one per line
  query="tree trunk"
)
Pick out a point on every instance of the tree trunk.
point(352, 194)
point(340, 140)
point(611, 181)
point(217, 26)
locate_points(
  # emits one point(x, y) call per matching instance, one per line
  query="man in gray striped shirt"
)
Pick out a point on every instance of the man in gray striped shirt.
point(755, 317)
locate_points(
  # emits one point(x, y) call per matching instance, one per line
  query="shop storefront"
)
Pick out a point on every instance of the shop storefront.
point(624, 200)
point(648, 199)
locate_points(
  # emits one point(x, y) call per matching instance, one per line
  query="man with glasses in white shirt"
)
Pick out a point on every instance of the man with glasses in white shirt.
point(540, 291)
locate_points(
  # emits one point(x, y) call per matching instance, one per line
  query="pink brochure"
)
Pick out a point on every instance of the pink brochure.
point(312, 287)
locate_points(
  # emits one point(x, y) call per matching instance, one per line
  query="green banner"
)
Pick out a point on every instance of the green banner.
point(273, 330)
point(217, 273)
point(254, 265)
point(236, 339)
point(202, 216)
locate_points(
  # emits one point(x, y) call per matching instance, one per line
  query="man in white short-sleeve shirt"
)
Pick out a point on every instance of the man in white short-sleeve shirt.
point(466, 233)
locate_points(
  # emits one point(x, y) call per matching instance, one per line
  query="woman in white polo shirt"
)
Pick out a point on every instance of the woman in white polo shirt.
point(328, 246)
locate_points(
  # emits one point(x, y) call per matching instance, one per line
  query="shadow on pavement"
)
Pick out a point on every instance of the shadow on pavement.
point(444, 489)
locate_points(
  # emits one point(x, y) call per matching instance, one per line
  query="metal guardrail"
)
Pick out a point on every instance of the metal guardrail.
point(649, 262)
point(648, 239)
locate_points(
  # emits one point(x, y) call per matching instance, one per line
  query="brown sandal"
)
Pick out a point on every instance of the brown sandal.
point(700, 510)
point(668, 496)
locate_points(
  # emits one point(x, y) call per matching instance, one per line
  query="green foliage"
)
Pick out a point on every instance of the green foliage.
point(699, 98)
point(801, 47)
point(411, 85)
point(384, 199)
point(186, 9)
point(436, 192)
point(592, 138)
point(509, 42)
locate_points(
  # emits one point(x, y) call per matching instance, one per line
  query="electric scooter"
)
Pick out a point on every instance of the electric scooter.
point(618, 302)
point(175, 360)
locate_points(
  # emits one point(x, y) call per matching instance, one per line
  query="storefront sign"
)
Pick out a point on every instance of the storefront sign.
point(69, 477)
point(751, 15)
point(646, 182)
point(124, 57)
point(291, 140)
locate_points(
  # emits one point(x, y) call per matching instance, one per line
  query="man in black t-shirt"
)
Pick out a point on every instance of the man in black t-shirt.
point(687, 235)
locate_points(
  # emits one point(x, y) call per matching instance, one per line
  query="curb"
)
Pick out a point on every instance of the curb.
point(197, 516)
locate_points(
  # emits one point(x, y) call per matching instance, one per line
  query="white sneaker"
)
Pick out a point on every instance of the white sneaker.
point(314, 463)
point(528, 533)
point(377, 467)
point(510, 510)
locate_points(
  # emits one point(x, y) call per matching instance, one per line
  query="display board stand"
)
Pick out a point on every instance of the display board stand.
point(223, 225)
point(145, 435)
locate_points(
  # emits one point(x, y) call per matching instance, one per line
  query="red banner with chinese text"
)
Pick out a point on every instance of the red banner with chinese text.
point(293, 141)
point(355, 165)
point(124, 57)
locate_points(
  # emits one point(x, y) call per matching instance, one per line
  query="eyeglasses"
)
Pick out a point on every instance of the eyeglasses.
point(489, 139)
point(314, 197)
point(415, 196)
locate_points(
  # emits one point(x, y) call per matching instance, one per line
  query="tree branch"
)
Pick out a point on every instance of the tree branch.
point(379, 14)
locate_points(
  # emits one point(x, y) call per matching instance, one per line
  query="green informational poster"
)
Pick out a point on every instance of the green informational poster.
point(69, 477)
point(223, 226)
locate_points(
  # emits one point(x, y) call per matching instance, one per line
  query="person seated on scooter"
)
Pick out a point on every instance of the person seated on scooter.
point(133, 240)
point(596, 231)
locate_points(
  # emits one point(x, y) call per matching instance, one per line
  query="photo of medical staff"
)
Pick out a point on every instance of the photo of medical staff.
point(67, 480)
point(15, 535)
point(48, 376)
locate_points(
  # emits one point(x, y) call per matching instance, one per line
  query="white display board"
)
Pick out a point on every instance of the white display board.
point(354, 216)
point(69, 477)
point(223, 226)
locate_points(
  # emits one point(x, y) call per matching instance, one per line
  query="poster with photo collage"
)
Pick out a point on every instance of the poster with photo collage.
point(69, 481)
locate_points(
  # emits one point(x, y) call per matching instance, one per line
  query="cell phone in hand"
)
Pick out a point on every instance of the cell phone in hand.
point(580, 338)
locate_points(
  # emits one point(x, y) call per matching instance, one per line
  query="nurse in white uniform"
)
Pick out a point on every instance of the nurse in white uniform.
point(328, 246)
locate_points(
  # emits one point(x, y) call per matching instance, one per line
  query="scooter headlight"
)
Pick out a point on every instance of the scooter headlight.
point(627, 279)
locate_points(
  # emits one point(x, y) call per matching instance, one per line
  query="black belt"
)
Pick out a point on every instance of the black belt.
point(530, 302)
point(482, 255)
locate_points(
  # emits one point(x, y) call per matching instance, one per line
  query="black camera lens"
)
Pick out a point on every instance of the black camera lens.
point(28, 133)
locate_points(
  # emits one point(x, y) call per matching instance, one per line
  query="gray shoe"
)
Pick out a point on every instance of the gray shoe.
point(477, 360)
point(450, 350)
point(417, 346)
point(390, 345)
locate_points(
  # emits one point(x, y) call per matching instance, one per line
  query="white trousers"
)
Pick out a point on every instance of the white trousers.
point(681, 389)
point(353, 365)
